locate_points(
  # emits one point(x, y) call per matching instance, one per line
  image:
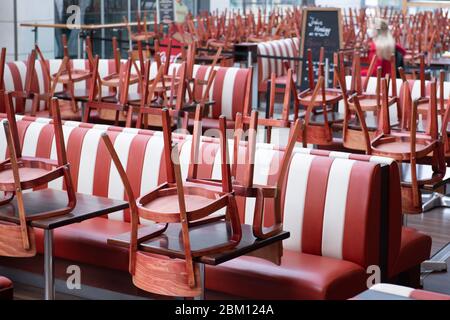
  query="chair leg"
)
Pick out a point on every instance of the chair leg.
point(87, 114)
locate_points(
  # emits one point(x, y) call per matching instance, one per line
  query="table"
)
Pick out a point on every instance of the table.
point(378, 295)
point(83, 28)
point(87, 207)
point(168, 244)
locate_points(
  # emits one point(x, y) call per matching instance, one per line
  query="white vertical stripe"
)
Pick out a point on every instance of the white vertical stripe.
point(31, 139)
point(152, 164)
point(67, 131)
point(40, 76)
point(8, 79)
point(228, 92)
point(88, 157)
point(335, 207)
point(2, 142)
point(217, 169)
point(79, 64)
point(264, 62)
point(185, 157)
point(263, 161)
point(116, 189)
point(294, 206)
point(339, 155)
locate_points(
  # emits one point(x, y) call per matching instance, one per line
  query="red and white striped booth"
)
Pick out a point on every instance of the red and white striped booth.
point(228, 90)
point(331, 208)
point(266, 66)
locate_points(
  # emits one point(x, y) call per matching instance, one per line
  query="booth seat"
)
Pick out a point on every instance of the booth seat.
point(228, 90)
point(393, 292)
point(332, 208)
point(6, 289)
point(267, 66)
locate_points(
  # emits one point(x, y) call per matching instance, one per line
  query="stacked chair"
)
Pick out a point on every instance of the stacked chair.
point(19, 174)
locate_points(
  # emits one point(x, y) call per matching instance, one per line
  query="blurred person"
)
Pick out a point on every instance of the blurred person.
point(383, 45)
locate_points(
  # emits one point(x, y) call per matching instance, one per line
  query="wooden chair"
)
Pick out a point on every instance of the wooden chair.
point(68, 77)
point(406, 145)
point(154, 95)
point(186, 204)
point(285, 120)
point(142, 33)
point(372, 102)
point(19, 173)
point(111, 108)
point(244, 186)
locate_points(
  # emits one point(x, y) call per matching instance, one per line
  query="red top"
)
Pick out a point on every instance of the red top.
point(384, 64)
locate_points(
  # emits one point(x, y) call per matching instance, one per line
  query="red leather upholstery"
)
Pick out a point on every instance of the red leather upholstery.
point(86, 242)
point(301, 276)
point(331, 205)
point(415, 248)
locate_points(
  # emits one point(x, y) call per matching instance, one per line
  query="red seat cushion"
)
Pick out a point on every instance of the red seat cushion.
point(5, 283)
point(300, 276)
point(86, 242)
point(415, 248)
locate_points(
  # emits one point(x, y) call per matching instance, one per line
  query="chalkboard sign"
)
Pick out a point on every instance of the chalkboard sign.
point(166, 11)
point(322, 27)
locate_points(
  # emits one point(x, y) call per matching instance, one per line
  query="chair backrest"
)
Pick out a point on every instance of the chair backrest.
point(276, 48)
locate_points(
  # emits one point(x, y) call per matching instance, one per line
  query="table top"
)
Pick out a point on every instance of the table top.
point(87, 207)
point(169, 243)
point(81, 26)
point(376, 295)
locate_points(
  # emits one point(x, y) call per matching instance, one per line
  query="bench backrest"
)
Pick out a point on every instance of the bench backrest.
point(228, 89)
point(278, 48)
point(331, 205)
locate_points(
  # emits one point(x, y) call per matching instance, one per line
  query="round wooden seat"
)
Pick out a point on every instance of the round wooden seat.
point(165, 201)
point(113, 80)
point(330, 98)
point(76, 75)
point(399, 148)
point(26, 175)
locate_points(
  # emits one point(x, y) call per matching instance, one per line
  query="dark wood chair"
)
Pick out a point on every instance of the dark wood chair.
point(189, 204)
point(19, 173)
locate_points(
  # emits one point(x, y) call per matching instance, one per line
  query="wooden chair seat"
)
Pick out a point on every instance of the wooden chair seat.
point(75, 76)
point(143, 37)
point(28, 177)
point(331, 97)
point(113, 80)
point(19, 174)
point(399, 147)
point(370, 102)
point(164, 201)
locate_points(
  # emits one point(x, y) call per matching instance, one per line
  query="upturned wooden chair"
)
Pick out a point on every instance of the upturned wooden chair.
point(67, 76)
point(113, 108)
point(19, 173)
point(188, 204)
point(285, 121)
point(406, 145)
point(244, 186)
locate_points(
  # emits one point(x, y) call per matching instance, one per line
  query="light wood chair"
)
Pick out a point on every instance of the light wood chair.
point(406, 145)
point(188, 204)
point(19, 173)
